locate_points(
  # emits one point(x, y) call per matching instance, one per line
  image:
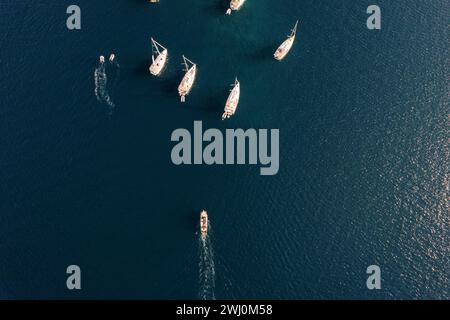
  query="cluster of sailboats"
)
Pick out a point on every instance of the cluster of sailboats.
point(159, 61)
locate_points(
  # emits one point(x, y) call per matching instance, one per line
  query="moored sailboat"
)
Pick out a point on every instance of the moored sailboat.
point(188, 80)
point(159, 58)
point(286, 46)
point(232, 101)
point(235, 5)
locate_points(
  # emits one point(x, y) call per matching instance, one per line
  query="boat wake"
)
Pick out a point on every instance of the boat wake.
point(115, 72)
point(207, 270)
point(101, 86)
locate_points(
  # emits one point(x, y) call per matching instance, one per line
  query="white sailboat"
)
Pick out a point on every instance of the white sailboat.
point(232, 101)
point(235, 5)
point(286, 46)
point(159, 58)
point(188, 80)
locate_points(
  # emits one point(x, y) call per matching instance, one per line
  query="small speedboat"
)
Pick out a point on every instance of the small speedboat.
point(204, 224)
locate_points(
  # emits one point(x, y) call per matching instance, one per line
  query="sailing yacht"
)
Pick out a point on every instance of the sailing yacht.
point(235, 5)
point(232, 101)
point(286, 46)
point(159, 58)
point(188, 80)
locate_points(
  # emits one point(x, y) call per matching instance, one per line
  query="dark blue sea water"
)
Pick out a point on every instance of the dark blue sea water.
point(364, 158)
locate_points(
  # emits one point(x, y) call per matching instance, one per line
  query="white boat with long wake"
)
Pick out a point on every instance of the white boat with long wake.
point(232, 101)
point(188, 80)
point(235, 5)
point(159, 58)
point(286, 46)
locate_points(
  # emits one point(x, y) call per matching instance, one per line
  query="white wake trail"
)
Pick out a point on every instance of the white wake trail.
point(207, 271)
point(101, 90)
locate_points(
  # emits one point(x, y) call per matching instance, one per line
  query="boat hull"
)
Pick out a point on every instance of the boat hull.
point(235, 5)
point(204, 224)
point(232, 101)
point(158, 63)
point(188, 82)
point(284, 49)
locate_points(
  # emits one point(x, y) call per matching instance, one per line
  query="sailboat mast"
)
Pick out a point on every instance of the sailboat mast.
point(294, 31)
point(186, 59)
point(186, 62)
point(157, 45)
point(154, 45)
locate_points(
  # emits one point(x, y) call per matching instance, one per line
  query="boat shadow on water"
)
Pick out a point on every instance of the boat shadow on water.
point(142, 68)
point(169, 83)
point(215, 8)
point(264, 53)
point(190, 220)
point(213, 102)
